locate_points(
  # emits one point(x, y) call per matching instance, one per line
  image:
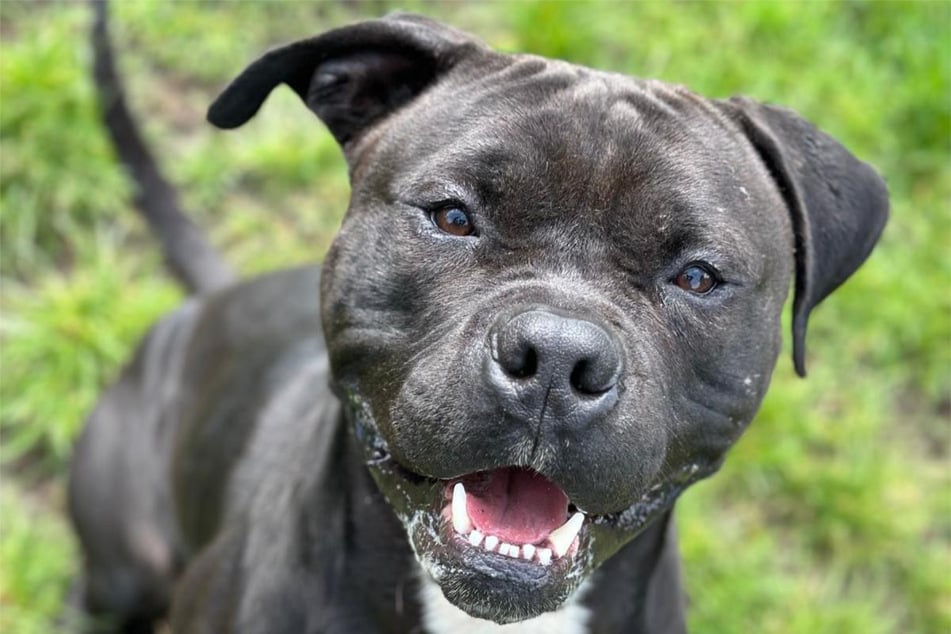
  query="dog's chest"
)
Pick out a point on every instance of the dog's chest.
point(441, 617)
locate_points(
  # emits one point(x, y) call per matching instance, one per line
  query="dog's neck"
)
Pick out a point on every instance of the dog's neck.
point(637, 590)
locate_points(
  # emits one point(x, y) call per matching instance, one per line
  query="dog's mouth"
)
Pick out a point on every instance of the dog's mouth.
point(513, 512)
point(507, 543)
point(504, 544)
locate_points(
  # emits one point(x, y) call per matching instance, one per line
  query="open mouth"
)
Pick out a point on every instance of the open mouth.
point(513, 512)
point(505, 543)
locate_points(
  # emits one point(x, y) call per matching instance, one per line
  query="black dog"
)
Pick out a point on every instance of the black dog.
point(554, 303)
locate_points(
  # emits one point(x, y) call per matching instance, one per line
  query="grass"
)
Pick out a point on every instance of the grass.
point(72, 330)
point(37, 556)
point(833, 514)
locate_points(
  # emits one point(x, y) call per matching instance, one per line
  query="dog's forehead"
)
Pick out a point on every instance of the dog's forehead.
point(541, 138)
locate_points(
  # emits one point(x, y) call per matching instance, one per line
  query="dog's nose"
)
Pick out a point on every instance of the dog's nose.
point(552, 368)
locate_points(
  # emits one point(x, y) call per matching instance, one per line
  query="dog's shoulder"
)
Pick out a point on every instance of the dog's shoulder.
point(255, 360)
point(266, 310)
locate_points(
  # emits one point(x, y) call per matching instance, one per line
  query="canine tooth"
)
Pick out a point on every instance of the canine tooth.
point(544, 556)
point(475, 538)
point(528, 551)
point(491, 541)
point(460, 517)
point(562, 536)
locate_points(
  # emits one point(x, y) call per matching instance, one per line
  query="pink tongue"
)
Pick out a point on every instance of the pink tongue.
point(519, 506)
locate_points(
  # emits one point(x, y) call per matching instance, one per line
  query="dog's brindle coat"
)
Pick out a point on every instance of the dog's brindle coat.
point(546, 273)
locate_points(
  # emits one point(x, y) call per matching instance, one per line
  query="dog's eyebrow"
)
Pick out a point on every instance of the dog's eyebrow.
point(426, 189)
point(477, 177)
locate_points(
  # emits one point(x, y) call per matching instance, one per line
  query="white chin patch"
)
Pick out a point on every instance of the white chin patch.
point(442, 617)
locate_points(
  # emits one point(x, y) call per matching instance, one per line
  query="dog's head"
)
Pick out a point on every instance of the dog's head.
point(555, 299)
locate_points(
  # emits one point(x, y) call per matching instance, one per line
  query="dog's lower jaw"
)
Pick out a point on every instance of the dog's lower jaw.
point(494, 587)
point(637, 591)
point(440, 616)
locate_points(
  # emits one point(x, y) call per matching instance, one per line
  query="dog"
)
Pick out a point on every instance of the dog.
point(553, 304)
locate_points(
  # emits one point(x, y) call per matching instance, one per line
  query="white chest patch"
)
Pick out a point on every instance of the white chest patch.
point(442, 617)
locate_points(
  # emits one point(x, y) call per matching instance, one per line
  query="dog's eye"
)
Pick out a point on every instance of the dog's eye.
point(697, 278)
point(453, 220)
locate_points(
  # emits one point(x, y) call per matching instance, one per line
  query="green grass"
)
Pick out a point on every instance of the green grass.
point(833, 514)
point(64, 334)
point(36, 557)
point(57, 175)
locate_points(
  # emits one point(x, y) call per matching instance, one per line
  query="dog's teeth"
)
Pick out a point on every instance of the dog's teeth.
point(508, 549)
point(491, 541)
point(528, 551)
point(475, 538)
point(562, 537)
point(544, 556)
point(460, 516)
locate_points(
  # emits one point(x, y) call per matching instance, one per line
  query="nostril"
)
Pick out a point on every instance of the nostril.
point(577, 378)
point(523, 366)
point(589, 379)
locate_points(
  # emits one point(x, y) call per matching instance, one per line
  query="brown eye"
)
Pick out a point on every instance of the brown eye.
point(454, 221)
point(696, 278)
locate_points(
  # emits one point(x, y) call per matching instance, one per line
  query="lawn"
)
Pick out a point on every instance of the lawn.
point(833, 514)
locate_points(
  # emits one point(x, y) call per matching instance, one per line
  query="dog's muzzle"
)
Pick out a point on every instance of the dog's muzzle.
point(507, 542)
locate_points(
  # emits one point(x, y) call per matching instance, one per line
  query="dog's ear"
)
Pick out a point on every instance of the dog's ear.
point(352, 76)
point(838, 204)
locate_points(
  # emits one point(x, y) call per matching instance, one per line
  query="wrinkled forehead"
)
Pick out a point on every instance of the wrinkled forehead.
point(562, 136)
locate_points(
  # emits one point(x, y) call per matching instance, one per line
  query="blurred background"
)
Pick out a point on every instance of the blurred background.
point(833, 514)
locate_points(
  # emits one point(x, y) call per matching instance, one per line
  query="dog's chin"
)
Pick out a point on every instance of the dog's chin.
point(490, 585)
point(505, 544)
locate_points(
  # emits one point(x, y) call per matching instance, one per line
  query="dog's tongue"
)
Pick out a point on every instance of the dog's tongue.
point(518, 506)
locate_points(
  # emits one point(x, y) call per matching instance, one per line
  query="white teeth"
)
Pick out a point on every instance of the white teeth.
point(544, 556)
point(562, 537)
point(460, 517)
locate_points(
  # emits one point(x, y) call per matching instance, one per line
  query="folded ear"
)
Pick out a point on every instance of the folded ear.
point(838, 204)
point(352, 76)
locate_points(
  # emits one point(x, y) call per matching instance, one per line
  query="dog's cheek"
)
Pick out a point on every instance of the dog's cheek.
point(724, 364)
point(377, 297)
point(442, 416)
point(393, 317)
